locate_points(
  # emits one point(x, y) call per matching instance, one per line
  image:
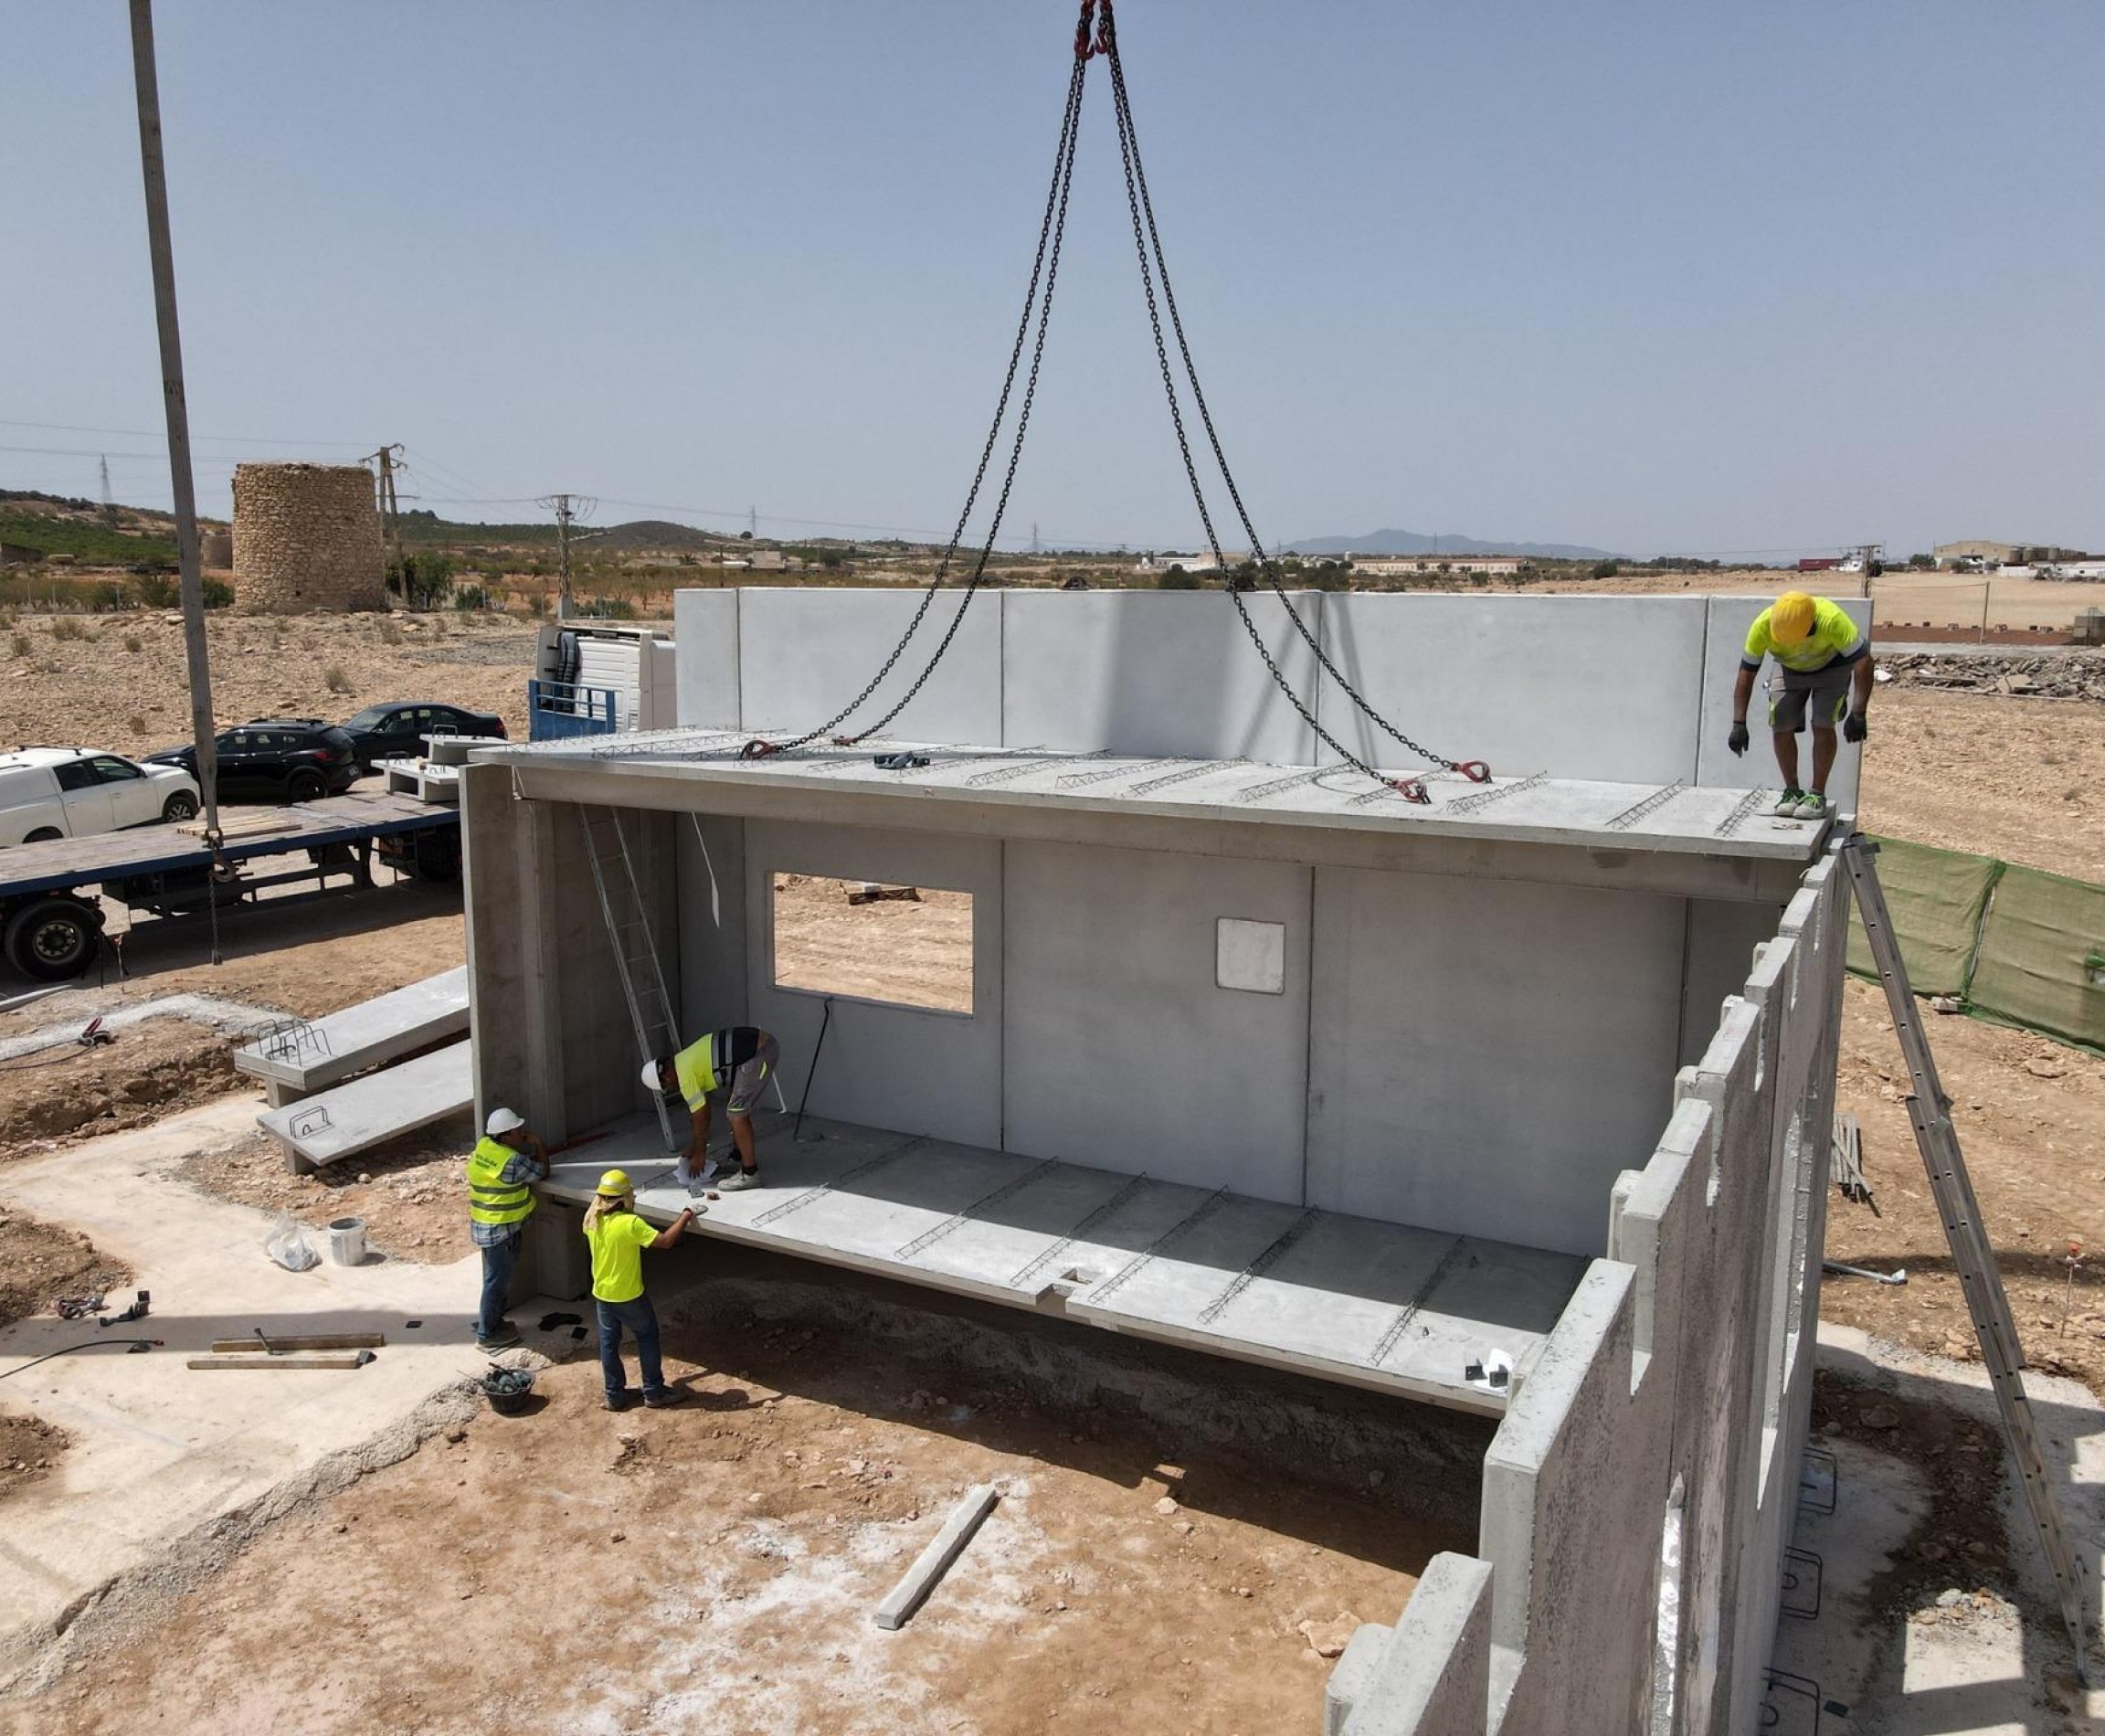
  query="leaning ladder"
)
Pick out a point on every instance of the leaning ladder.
point(1929, 1109)
point(635, 947)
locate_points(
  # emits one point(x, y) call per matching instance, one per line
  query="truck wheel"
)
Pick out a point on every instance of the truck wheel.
point(43, 835)
point(306, 786)
point(179, 807)
point(54, 938)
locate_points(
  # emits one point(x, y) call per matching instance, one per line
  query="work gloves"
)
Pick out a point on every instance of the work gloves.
point(1854, 726)
point(1737, 740)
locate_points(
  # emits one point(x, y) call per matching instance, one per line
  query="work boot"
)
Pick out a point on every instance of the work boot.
point(1786, 806)
point(665, 1401)
point(740, 1179)
point(621, 1401)
point(1813, 805)
point(503, 1340)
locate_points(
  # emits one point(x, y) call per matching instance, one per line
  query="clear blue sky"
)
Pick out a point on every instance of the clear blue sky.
point(1649, 277)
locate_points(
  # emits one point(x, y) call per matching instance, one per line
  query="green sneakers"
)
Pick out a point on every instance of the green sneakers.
point(1801, 804)
point(1786, 806)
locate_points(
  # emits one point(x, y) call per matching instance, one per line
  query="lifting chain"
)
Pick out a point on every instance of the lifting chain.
point(1045, 270)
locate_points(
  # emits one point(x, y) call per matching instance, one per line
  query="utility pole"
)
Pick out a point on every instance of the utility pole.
point(155, 172)
point(109, 505)
point(390, 508)
point(567, 508)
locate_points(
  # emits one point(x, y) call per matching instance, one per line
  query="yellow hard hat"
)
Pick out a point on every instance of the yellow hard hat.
point(615, 1185)
point(1792, 618)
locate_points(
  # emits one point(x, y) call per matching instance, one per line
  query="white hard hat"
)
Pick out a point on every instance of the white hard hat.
point(503, 1121)
point(650, 1076)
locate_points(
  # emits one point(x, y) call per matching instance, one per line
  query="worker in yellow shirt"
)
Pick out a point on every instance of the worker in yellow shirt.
point(1823, 667)
point(618, 1238)
point(736, 1061)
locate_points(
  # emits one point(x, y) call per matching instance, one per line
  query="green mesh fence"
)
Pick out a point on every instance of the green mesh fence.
point(2014, 944)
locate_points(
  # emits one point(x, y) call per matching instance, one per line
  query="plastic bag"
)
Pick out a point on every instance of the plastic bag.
point(288, 1244)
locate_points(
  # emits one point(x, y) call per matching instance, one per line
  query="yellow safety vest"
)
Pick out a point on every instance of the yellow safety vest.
point(693, 1068)
point(489, 1200)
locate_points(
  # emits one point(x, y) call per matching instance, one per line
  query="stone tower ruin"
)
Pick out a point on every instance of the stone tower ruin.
point(307, 537)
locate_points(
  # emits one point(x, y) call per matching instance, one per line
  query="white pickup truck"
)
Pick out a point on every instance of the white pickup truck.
point(72, 792)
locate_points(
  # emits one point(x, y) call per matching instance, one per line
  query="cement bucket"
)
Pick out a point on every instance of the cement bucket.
point(347, 1241)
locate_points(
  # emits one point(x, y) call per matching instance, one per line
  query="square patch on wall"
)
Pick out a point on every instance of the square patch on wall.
point(1250, 956)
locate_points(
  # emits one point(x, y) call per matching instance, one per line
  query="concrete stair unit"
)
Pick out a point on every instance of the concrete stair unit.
point(297, 1058)
point(373, 1108)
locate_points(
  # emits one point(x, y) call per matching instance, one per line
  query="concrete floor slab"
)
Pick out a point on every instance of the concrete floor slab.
point(158, 1450)
point(315, 1054)
point(347, 1119)
point(1383, 1305)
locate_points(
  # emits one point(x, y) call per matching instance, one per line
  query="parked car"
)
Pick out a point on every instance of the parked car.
point(396, 731)
point(71, 792)
point(277, 759)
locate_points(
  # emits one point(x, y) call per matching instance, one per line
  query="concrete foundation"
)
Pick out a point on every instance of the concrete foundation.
point(1392, 1078)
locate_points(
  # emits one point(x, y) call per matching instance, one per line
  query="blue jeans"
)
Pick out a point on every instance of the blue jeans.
point(641, 1319)
point(498, 1262)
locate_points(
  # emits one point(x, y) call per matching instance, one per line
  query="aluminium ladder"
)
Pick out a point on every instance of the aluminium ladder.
point(635, 947)
point(1929, 1108)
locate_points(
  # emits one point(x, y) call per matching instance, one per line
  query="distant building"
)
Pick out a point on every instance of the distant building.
point(1412, 565)
point(1976, 555)
point(14, 555)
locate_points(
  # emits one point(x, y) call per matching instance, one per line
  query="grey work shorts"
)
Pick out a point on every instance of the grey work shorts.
point(1825, 690)
point(747, 1082)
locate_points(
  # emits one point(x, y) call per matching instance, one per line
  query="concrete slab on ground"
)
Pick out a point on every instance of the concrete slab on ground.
point(158, 1450)
point(307, 1055)
point(337, 1123)
point(1382, 1306)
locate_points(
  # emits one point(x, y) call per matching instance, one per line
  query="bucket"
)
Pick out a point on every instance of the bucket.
point(347, 1241)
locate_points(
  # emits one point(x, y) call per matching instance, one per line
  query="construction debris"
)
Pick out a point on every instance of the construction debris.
point(2051, 675)
point(905, 1598)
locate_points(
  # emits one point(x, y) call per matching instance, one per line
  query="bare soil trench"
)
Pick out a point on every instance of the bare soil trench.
point(715, 1567)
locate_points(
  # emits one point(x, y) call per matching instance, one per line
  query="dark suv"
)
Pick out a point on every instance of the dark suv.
point(278, 759)
point(397, 731)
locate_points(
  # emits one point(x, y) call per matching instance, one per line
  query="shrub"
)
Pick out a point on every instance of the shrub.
point(608, 608)
point(390, 634)
point(21, 645)
point(67, 627)
point(156, 590)
point(218, 594)
point(470, 596)
point(335, 680)
point(132, 642)
point(1177, 580)
point(135, 723)
point(1605, 569)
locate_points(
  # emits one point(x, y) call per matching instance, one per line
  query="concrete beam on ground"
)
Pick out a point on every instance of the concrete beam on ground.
point(336, 1124)
point(306, 1057)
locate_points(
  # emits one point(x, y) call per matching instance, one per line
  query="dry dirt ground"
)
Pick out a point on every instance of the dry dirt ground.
point(117, 681)
point(712, 1568)
point(914, 950)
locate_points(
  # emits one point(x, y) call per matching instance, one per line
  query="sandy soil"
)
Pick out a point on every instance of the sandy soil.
point(2019, 778)
point(1898, 597)
point(407, 1191)
point(917, 951)
point(720, 1562)
point(145, 1071)
point(119, 681)
point(29, 1451)
point(40, 1261)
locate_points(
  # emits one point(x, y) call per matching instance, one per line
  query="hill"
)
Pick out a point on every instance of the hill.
point(1413, 543)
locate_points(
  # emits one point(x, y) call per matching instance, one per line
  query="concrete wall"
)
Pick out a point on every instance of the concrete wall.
point(907, 1068)
point(1679, 1377)
point(1624, 689)
point(1122, 1052)
point(1485, 1056)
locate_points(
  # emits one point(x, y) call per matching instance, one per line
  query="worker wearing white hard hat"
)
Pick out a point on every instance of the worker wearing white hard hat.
point(738, 1060)
point(618, 1238)
point(507, 1161)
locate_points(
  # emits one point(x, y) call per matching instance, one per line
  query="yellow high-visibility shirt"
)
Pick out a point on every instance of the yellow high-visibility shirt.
point(617, 1243)
point(1834, 635)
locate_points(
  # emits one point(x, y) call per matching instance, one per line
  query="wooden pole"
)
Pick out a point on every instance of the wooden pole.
point(164, 260)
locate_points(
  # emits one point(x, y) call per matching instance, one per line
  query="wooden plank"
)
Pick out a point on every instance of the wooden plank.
point(301, 1341)
point(905, 1598)
point(349, 1359)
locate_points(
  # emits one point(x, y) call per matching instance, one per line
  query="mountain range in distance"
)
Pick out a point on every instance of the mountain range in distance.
point(1412, 543)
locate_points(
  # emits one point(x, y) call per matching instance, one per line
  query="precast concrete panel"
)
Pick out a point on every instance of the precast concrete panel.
point(706, 649)
point(1606, 687)
point(714, 983)
point(1485, 1056)
point(1722, 936)
point(1122, 1052)
point(1156, 673)
point(1716, 765)
point(802, 655)
point(911, 1069)
point(592, 1018)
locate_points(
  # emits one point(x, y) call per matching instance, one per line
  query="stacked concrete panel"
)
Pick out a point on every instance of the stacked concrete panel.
point(307, 537)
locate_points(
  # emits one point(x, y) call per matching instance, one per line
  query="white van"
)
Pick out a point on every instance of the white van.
point(71, 792)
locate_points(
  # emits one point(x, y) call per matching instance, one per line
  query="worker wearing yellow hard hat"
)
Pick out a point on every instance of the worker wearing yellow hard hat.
point(1823, 673)
point(618, 1238)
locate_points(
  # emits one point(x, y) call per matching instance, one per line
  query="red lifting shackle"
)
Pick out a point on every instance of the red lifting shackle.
point(1475, 771)
point(1410, 789)
point(758, 749)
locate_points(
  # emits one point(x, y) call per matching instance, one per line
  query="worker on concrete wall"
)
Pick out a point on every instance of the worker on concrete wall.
point(738, 1059)
point(1823, 668)
point(506, 1160)
point(618, 1238)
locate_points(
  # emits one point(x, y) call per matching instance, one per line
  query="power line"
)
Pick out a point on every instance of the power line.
point(148, 433)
